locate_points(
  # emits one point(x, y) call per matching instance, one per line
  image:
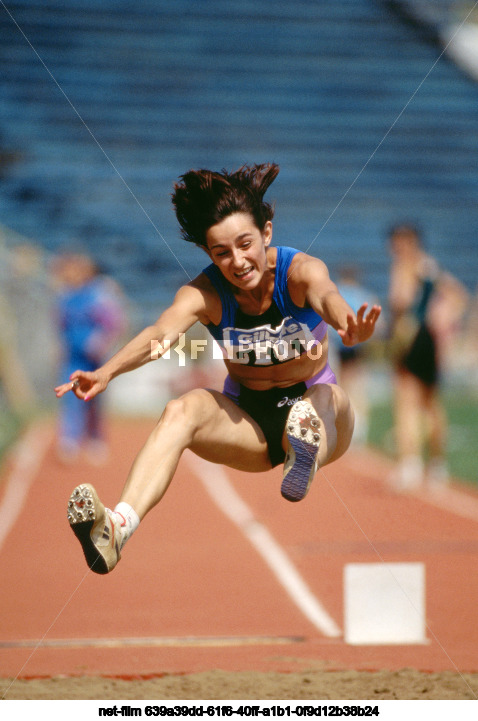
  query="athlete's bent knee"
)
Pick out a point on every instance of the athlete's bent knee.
point(184, 411)
point(175, 410)
point(177, 419)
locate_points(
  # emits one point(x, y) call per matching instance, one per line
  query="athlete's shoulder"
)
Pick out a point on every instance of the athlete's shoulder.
point(202, 293)
point(298, 272)
point(306, 268)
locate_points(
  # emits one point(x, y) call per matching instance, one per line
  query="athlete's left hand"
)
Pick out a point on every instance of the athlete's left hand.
point(360, 328)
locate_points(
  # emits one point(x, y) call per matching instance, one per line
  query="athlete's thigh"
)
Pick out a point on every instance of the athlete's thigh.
point(227, 434)
point(333, 406)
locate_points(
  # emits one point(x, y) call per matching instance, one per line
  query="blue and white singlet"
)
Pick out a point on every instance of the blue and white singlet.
point(280, 334)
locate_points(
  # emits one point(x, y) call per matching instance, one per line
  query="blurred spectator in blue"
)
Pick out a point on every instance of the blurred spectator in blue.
point(425, 304)
point(91, 319)
point(350, 362)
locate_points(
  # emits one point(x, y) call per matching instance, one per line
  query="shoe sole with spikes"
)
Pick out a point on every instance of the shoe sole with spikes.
point(94, 528)
point(300, 466)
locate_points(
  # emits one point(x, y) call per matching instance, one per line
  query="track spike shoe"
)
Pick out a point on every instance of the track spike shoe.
point(99, 534)
point(303, 436)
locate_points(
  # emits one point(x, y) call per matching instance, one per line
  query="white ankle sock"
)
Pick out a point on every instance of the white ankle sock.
point(129, 520)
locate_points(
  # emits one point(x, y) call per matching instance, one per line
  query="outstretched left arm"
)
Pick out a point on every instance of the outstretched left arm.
point(310, 280)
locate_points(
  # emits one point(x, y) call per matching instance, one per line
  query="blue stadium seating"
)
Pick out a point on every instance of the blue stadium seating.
point(104, 105)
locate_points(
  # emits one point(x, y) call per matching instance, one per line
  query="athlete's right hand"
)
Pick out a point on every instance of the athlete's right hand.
point(84, 384)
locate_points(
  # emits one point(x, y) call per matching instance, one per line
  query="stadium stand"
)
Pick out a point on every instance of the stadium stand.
point(104, 105)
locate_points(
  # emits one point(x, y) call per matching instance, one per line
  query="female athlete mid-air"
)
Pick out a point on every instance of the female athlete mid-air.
point(268, 308)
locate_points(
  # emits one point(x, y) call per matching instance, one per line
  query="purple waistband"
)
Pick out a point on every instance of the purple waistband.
point(232, 388)
point(326, 375)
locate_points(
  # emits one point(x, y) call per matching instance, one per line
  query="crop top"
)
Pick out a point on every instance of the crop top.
point(280, 334)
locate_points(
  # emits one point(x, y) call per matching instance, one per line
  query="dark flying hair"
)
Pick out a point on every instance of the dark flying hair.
point(204, 198)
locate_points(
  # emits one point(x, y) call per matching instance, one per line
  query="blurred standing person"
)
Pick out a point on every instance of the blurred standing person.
point(424, 303)
point(470, 341)
point(91, 319)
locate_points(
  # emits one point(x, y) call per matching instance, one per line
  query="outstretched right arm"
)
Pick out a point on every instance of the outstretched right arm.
point(190, 305)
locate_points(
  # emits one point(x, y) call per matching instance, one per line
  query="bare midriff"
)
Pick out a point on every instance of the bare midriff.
point(281, 375)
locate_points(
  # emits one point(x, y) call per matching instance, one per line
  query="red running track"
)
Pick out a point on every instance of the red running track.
point(192, 591)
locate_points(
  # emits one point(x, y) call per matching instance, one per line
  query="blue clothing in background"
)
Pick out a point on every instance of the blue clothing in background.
point(90, 319)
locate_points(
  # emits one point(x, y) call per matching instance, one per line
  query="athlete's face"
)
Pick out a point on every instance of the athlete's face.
point(238, 248)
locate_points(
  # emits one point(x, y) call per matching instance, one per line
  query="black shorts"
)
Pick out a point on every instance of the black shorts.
point(270, 410)
point(421, 358)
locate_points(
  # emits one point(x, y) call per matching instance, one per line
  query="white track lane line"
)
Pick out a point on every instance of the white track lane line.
point(447, 498)
point(154, 642)
point(27, 455)
point(451, 500)
point(224, 495)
